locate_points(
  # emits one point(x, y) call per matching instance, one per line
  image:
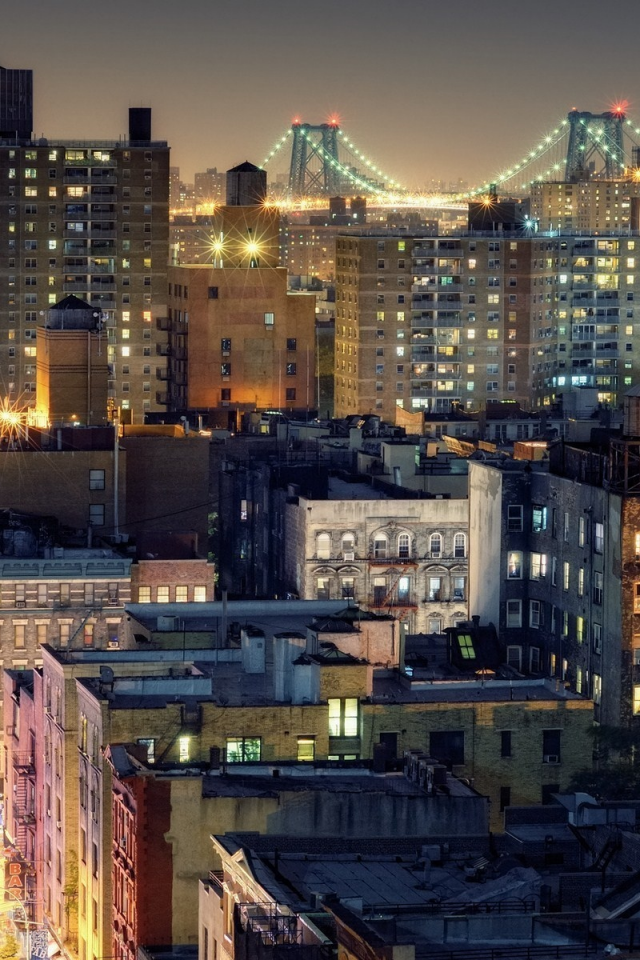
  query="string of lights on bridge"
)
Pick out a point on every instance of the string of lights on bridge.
point(393, 189)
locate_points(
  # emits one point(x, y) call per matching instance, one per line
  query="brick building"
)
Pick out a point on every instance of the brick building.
point(90, 218)
point(275, 695)
point(562, 537)
point(424, 323)
point(240, 341)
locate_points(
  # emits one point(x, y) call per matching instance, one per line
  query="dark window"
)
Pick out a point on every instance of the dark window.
point(548, 789)
point(291, 369)
point(225, 344)
point(225, 369)
point(505, 743)
point(225, 394)
point(291, 393)
point(551, 746)
point(292, 343)
point(390, 742)
point(447, 745)
point(213, 293)
point(505, 798)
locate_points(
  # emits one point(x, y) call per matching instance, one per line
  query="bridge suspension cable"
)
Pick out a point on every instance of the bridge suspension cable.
point(544, 147)
point(360, 157)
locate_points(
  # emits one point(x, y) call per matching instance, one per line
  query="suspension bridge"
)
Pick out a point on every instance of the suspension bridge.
point(322, 161)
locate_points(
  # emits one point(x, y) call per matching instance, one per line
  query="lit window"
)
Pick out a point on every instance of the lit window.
point(465, 643)
point(200, 594)
point(144, 594)
point(306, 749)
point(162, 594)
point(343, 717)
point(183, 749)
point(182, 593)
point(539, 519)
point(243, 749)
point(514, 565)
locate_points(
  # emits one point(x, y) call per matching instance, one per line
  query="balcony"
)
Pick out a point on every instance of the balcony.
point(24, 814)
point(163, 349)
point(431, 288)
point(163, 323)
point(391, 602)
point(23, 763)
point(595, 353)
point(81, 177)
point(162, 373)
point(394, 561)
point(163, 398)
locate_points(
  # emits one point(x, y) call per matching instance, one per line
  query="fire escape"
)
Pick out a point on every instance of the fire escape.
point(24, 807)
point(391, 599)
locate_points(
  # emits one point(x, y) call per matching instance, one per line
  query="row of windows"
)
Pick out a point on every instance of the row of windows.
point(391, 592)
point(41, 593)
point(539, 570)
point(542, 519)
point(385, 546)
point(560, 621)
point(162, 594)
point(290, 369)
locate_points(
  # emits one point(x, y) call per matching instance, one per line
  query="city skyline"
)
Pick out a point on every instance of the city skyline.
point(467, 99)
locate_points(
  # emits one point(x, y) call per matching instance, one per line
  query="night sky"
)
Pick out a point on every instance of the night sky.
point(444, 90)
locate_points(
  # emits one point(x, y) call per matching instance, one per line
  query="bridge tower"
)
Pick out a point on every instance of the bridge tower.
point(589, 134)
point(314, 167)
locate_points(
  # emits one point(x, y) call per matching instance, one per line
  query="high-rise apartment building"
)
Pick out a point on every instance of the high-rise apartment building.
point(427, 323)
point(210, 186)
point(588, 206)
point(89, 218)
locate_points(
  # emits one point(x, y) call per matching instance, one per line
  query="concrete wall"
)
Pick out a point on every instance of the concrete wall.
point(485, 525)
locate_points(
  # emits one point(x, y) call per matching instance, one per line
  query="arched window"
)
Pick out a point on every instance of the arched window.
point(380, 546)
point(435, 544)
point(323, 546)
point(404, 546)
point(460, 545)
point(348, 546)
